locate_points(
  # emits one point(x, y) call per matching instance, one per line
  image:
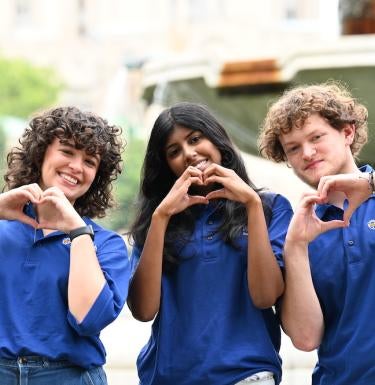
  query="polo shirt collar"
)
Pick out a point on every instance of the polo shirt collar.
point(322, 209)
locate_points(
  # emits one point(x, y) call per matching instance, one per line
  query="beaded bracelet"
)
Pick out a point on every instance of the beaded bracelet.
point(371, 181)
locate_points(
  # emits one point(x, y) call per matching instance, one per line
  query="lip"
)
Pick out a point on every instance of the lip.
point(61, 175)
point(312, 165)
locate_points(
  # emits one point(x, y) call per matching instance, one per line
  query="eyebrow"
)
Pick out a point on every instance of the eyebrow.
point(187, 136)
point(70, 145)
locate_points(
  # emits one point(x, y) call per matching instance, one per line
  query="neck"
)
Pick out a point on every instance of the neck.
point(337, 199)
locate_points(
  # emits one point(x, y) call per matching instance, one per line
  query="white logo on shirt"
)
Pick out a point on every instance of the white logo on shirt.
point(371, 224)
point(67, 241)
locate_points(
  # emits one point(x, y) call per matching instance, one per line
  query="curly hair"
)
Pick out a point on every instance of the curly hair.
point(90, 133)
point(331, 100)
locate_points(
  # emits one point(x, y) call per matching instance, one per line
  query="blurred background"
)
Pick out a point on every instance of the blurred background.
point(126, 60)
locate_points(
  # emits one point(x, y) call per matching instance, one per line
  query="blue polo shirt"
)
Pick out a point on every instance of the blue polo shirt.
point(208, 331)
point(34, 315)
point(343, 270)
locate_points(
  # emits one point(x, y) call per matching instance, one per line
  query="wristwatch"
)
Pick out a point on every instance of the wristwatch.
point(81, 231)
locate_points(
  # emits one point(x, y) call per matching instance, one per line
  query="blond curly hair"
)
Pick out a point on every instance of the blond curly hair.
point(331, 100)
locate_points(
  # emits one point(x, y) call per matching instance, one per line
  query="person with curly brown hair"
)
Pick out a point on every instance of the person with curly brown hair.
point(328, 301)
point(63, 277)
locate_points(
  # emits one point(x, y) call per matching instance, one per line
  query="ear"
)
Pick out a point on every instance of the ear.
point(349, 132)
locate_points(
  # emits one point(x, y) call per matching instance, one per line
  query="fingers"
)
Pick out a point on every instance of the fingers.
point(28, 196)
point(215, 170)
point(192, 172)
point(31, 192)
point(216, 194)
point(308, 199)
point(50, 199)
point(224, 176)
point(52, 191)
point(214, 179)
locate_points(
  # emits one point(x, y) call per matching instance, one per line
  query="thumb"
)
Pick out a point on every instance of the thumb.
point(29, 221)
point(348, 214)
point(197, 199)
point(349, 208)
point(335, 224)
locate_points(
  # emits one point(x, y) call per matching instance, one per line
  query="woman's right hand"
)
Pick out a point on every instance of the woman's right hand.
point(13, 202)
point(178, 198)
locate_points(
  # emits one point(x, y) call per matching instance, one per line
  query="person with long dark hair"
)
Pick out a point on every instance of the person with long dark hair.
point(207, 251)
point(63, 277)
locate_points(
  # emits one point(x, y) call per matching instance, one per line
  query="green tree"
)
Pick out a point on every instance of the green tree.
point(25, 88)
point(126, 187)
point(2, 150)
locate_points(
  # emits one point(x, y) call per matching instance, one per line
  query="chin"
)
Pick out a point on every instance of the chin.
point(312, 181)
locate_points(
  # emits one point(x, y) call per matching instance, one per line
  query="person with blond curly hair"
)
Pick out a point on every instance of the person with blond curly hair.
point(328, 303)
point(63, 277)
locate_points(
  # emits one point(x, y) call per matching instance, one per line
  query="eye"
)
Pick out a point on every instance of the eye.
point(172, 152)
point(195, 138)
point(292, 150)
point(66, 151)
point(91, 162)
point(315, 138)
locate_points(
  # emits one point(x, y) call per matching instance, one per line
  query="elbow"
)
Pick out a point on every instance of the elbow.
point(306, 340)
point(305, 344)
point(262, 302)
point(142, 315)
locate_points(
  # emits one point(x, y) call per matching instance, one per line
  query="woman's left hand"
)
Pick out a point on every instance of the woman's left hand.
point(234, 188)
point(56, 212)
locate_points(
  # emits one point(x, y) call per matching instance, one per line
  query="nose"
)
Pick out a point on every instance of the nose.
point(309, 151)
point(190, 154)
point(76, 164)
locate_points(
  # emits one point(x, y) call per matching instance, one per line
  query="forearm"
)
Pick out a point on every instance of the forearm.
point(264, 275)
point(301, 314)
point(86, 279)
point(145, 287)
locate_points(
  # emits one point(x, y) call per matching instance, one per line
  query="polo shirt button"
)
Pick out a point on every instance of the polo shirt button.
point(351, 243)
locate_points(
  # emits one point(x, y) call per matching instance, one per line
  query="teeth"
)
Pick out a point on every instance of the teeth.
point(201, 165)
point(69, 178)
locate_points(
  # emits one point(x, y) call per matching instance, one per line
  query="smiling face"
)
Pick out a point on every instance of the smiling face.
point(317, 149)
point(186, 147)
point(69, 169)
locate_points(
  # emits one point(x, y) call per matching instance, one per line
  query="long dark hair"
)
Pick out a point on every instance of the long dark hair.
point(157, 179)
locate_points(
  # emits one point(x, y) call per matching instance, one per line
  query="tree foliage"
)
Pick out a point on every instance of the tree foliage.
point(2, 150)
point(25, 88)
point(126, 187)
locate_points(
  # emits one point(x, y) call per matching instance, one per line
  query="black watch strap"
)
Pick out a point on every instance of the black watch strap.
point(80, 231)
